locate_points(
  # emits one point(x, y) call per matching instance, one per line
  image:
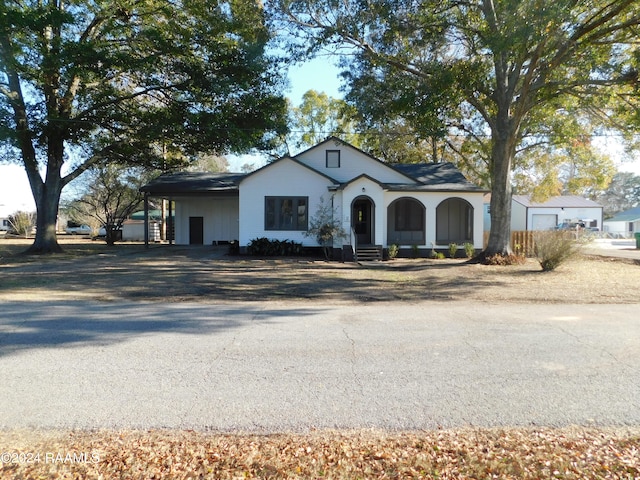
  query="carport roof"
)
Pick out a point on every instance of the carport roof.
point(190, 183)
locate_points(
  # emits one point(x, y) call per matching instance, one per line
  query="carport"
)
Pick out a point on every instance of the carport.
point(206, 206)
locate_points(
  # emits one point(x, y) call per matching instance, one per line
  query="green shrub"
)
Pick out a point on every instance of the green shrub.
point(415, 251)
point(264, 247)
point(453, 249)
point(393, 251)
point(469, 250)
point(552, 248)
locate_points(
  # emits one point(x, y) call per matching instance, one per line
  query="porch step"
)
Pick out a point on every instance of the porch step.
point(369, 253)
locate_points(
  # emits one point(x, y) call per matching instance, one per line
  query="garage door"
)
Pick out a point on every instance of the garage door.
point(543, 221)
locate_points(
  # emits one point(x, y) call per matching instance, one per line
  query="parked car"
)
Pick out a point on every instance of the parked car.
point(78, 230)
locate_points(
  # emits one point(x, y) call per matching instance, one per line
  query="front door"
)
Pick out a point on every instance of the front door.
point(196, 230)
point(362, 220)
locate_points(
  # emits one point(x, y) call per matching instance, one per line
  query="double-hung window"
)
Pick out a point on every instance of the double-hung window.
point(286, 213)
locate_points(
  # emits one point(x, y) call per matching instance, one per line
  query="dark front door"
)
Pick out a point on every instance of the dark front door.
point(362, 220)
point(196, 230)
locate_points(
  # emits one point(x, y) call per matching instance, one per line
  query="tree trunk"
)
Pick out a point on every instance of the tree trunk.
point(501, 191)
point(47, 198)
point(47, 201)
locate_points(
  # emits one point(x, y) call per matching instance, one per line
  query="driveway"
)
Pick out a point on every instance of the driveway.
point(282, 366)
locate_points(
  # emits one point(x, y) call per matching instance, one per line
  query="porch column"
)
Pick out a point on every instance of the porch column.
point(146, 220)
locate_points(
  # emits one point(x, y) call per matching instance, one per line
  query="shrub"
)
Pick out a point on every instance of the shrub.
point(415, 251)
point(453, 249)
point(552, 248)
point(264, 247)
point(393, 251)
point(326, 226)
point(469, 250)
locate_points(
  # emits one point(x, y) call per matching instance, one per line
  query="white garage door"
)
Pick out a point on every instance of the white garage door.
point(543, 221)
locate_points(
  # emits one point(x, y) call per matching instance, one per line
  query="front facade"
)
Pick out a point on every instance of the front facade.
point(421, 206)
point(566, 210)
point(625, 224)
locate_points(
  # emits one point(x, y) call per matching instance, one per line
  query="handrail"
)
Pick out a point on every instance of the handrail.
point(354, 243)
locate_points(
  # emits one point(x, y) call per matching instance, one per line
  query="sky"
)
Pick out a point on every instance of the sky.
point(320, 74)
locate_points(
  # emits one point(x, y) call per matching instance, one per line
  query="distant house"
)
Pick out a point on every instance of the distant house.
point(561, 210)
point(378, 204)
point(624, 224)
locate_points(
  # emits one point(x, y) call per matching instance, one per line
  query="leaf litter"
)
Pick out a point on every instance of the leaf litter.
point(513, 453)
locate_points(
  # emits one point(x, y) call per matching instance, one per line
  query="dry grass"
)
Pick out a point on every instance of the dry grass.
point(93, 271)
point(462, 454)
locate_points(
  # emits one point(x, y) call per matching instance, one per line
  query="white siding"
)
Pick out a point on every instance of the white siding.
point(220, 216)
point(543, 221)
point(518, 217)
point(282, 178)
point(522, 218)
point(352, 164)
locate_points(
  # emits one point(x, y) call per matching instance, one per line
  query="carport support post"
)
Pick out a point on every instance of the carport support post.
point(146, 220)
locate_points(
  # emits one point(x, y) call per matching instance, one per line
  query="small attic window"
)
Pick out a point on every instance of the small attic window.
point(333, 158)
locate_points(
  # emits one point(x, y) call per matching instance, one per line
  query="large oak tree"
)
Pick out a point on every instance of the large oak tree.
point(502, 63)
point(147, 82)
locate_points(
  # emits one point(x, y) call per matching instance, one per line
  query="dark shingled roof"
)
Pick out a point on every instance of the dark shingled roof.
point(194, 183)
point(434, 176)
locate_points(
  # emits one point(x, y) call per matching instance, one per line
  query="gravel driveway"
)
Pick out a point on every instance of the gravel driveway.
point(279, 366)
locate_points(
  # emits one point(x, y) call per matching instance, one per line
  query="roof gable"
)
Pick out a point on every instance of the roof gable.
point(284, 159)
point(352, 162)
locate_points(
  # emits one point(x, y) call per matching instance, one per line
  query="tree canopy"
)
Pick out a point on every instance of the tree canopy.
point(496, 68)
point(146, 82)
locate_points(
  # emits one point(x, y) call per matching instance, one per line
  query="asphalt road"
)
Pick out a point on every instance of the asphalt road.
point(297, 366)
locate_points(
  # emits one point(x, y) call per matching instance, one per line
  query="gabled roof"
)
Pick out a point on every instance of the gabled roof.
point(564, 201)
point(631, 215)
point(362, 175)
point(193, 183)
point(434, 177)
point(294, 160)
point(336, 141)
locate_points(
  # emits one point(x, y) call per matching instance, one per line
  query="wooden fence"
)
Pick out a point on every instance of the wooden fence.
point(521, 242)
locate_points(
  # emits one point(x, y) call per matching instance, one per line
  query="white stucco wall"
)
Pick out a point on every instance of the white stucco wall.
point(282, 178)
point(352, 164)
point(382, 199)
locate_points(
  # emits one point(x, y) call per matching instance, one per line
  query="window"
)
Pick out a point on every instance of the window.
point(454, 222)
point(286, 213)
point(333, 158)
point(406, 220)
point(409, 215)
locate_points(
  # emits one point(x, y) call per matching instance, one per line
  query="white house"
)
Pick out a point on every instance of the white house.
point(567, 209)
point(624, 224)
point(422, 206)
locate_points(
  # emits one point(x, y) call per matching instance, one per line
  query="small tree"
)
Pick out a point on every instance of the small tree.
point(112, 195)
point(325, 226)
point(22, 223)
